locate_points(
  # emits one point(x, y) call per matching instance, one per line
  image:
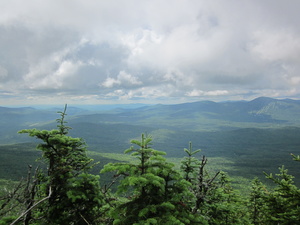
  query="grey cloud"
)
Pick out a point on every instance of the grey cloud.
point(104, 49)
point(22, 48)
point(53, 60)
point(13, 54)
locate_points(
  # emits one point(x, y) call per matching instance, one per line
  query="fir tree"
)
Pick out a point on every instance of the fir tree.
point(71, 194)
point(284, 201)
point(277, 205)
point(258, 207)
point(214, 198)
point(154, 192)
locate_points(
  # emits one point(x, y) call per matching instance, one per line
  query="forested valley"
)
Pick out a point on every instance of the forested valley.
point(64, 183)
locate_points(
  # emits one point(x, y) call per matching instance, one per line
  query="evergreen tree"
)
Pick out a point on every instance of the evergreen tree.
point(284, 201)
point(214, 198)
point(153, 191)
point(70, 194)
point(278, 205)
point(257, 203)
point(190, 164)
point(224, 205)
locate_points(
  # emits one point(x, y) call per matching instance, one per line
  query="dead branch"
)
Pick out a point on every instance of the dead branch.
point(33, 206)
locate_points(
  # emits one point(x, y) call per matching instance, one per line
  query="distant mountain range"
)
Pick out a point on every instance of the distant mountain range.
point(255, 135)
point(206, 115)
point(196, 116)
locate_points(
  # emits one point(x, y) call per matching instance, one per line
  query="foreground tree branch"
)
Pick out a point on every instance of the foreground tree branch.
point(33, 206)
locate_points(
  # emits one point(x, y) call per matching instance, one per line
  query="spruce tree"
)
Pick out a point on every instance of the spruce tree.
point(225, 205)
point(214, 198)
point(153, 191)
point(71, 194)
point(277, 205)
point(190, 164)
point(284, 201)
point(257, 203)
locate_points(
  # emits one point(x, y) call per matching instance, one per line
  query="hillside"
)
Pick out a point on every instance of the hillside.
point(242, 153)
point(253, 136)
point(206, 115)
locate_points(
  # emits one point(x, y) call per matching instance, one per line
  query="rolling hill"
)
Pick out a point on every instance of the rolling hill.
point(254, 136)
point(206, 115)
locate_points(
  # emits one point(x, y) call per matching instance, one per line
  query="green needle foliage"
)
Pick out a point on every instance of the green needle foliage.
point(190, 164)
point(280, 205)
point(284, 201)
point(257, 202)
point(72, 196)
point(295, 157)
point(215, 200)
point(154, 192)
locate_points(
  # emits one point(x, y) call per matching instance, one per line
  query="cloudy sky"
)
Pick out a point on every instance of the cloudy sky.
point(148, 51)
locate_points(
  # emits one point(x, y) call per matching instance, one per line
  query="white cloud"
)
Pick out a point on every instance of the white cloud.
point(197, 93)
point(277, 45)
point(110, 82)
point(155, 49)
point(123, 79)
point(51, 74)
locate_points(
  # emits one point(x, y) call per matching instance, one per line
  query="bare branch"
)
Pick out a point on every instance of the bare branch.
point(28, 210)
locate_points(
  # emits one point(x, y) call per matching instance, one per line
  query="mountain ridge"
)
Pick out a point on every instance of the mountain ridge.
point(261, 112)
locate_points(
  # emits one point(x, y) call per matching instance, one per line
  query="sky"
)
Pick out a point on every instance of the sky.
point(148, 51)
